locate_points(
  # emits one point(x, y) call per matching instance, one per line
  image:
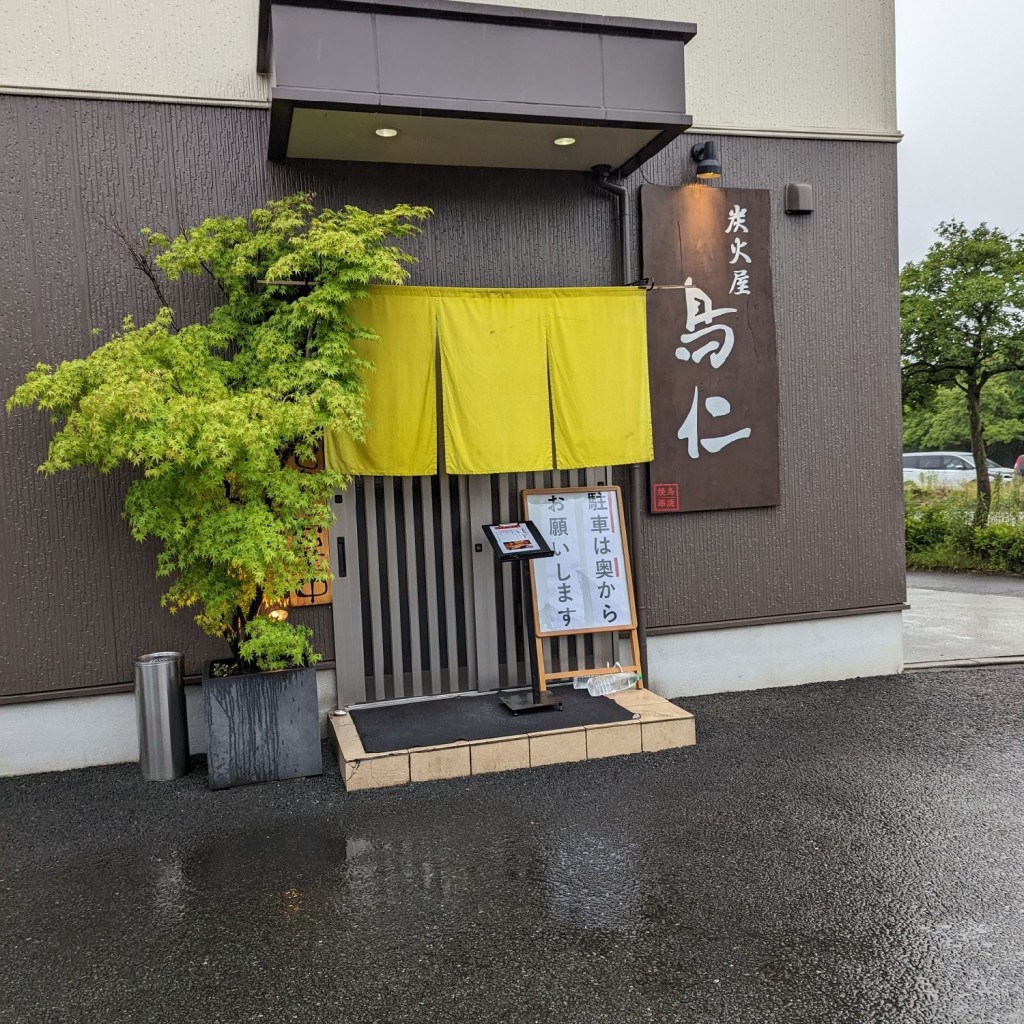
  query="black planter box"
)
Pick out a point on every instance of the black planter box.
point(261, 726)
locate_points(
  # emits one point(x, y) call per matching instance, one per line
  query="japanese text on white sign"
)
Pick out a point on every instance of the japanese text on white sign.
point(585, 586)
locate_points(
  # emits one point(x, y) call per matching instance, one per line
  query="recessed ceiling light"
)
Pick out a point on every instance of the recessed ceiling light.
point(386, 133)
point(565, 140)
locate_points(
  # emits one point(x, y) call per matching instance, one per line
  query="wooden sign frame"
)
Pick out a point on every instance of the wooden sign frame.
point(540, 637)
point(714, 371)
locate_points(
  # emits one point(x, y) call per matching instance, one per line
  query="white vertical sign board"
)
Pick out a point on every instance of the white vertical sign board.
point(585, 587)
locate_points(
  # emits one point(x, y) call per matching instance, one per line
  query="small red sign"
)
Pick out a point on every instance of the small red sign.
point(666, 497)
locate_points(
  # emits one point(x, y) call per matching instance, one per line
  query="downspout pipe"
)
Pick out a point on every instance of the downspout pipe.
point(604, 180)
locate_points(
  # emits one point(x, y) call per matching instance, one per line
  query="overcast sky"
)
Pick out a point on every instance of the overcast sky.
point(960, 92)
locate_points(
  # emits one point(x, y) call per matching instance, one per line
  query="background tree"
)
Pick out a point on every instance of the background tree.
point(942, 423)
point(962, 324)
point(211, 413)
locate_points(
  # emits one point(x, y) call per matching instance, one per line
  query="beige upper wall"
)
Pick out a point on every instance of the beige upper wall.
point(788, 67)
point(189, 50)
point(792, 67)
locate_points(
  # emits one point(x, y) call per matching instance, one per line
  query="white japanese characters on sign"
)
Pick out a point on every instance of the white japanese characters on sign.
point(585, 586)
point(700, 310)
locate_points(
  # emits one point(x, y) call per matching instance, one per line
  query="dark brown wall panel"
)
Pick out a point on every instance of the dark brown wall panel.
point(78, 599)
point(836, 539)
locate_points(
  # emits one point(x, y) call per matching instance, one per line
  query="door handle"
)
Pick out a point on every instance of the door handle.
point(342, 563)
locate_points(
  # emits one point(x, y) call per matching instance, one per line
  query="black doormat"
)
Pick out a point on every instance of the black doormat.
point(430, 723)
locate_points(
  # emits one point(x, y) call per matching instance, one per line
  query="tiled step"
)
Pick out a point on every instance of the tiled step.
point(656, 725)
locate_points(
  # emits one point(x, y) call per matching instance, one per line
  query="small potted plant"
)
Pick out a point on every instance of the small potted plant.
point(212, 416)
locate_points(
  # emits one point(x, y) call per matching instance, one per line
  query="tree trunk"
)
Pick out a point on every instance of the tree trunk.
point(240, 620)
point(984, 502)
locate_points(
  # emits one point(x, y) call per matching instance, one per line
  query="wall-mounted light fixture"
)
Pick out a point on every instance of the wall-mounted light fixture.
point(708, 165)
point(799, 198)
point(386, 133)
point(276, 611)
point(565, 140)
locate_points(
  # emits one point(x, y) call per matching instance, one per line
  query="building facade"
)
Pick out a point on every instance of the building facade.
point(117, 115)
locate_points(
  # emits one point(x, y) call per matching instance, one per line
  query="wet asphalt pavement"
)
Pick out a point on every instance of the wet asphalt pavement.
point(831, 853)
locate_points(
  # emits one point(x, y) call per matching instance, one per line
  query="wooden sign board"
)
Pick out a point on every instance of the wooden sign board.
point(315, 592)
point(711, 348)
point(587, 586)
point(320, 592)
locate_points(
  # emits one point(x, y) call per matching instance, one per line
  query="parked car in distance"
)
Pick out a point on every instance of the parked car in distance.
point(947, 469)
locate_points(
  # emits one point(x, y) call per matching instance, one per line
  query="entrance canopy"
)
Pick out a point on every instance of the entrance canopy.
point(530, 380)
point(451, 83)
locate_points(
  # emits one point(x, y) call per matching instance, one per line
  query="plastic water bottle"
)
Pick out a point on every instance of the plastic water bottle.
point(599, 686)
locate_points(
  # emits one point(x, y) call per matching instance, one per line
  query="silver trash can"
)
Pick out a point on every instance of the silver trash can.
point(160, 708)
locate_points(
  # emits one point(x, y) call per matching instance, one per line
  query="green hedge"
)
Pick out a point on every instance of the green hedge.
point(939, 534)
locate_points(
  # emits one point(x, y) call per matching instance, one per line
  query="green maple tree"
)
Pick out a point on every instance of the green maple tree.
point(942, 423)
point(211, 413)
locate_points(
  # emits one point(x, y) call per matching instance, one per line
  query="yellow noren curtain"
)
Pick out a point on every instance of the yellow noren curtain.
point(515, 365)
point(497, 416)
point(600, 393)
point(401, 404)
